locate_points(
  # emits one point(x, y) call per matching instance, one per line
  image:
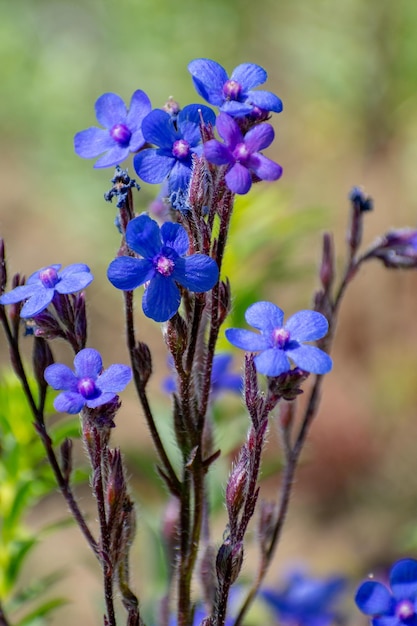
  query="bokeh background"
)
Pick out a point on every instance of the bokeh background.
point(346, 71)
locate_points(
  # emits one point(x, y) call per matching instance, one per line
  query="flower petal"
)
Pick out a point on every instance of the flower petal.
point(235, 108)
point(272, 362)
point(92, 142)
point(69, 402)
point(23, 292)
point(61, 377)
point(264, 316)
point(403, 579)
point(179, 176)
point(265, 100)
point(103, 398)
point(88, 363)
point(110, 110)
point(140, 106)
point(175, 236)
point(197, 272)
point(229, 130)
point(373, 598)
point(151, 166)
point(259, 137)
point(127, 273)
point(192, 114)
point(310, 358)
point(161, 299)
point(238, 179)
point(249, 75)
point(246, 339)
point(72, 282)
point(217, 153)
point(116, 155)
point(208, 78)
point(114, 378)
point(307, 326)
point(157, 128)
point(143, 236)
point(37, 302)
point(264, 168)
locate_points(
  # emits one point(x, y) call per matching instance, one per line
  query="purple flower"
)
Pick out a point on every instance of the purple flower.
point(305, 601)
point(396, 249)
point(122, 131)
point(177, 140)
point(278, 343)
point(395, 607)
point(42, 285)
point(163, 265)
point(240, 153)
point(89, 386)
point(233, 95)
point(222, 379)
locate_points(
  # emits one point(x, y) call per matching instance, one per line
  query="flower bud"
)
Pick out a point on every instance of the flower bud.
point(327, 269)
point(229, 561)
point(41, 357)
point(142, 362)
point(3, 267)
point(397, 249)
point(236, 486)
point(66, 459)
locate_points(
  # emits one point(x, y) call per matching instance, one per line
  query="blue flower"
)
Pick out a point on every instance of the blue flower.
point(222, 379)
point(42, 285)
point(177, 140)
point(163, 265)
point(240, 153)
point(233, 95)
point(278, 343)
point(89, 386)
point(395, 607)
point(305, 601)
point(122, 131)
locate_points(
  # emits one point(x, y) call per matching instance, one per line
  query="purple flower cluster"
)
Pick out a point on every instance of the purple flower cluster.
point(278, 343)
point(163, 264)
point(89, 385)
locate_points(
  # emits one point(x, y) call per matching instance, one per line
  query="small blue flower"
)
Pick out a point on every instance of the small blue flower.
point(89, 386)
point(233, 95)
point(163, 265)
point(222, 379)
point(278, 343)
point(391, 608)
point(177, 140)
point(122, 131)
point(42, 285)
point(305, 601)
point(240, 153)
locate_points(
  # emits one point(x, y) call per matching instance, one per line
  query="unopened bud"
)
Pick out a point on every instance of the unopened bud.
point(225, 300)
point(142, 362)
point(41, 357)
point(360, 204)
point(397, 249)
point(66, 459)
point(176, 336)
point(327, 269)
point(3, 267)
point(229, 561)
point(236, 486)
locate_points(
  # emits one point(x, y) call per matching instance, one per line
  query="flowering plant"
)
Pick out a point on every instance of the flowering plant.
point(177, 267)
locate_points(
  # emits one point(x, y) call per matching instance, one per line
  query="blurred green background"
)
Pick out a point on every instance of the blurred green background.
point(346, 71)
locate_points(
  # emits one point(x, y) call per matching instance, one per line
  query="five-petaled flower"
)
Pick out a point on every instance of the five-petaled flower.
point(163, 265)
point(305, 601)
point(240, 153)
point(395, 607)
point(278, 343)
point(177, 138)
point(41, 286)
point(89, 385)
point(122, 132)
point(233, 95)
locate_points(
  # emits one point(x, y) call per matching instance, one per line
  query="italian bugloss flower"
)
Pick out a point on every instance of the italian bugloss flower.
point(163, 265)
point(42, 285)
point(122, 132)
point(241, 153)
point(393, 607)
point(177, 139)
point(277, 343)
point(305, 601)
point(88, 385)
point(233, 95)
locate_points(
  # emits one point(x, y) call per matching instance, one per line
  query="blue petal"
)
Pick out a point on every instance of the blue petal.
point(88, 363)
point(217, 153)
point(110, 110)
point(116, 155)
point(38, 302)
point(307, 326)
point(265, 100)
point(128, 273)
point(229, 130)
point(34, 278)
point(157, 128)
point(151, 166)
point(373, 598)
point(61, 377)
point(114, 378)
point(209, 78)
point(74, 268)
point(310, 358)
point(140, 106)
point(259, 137)
point(161, 299)
point(272, 362)
point(92, 142)
point(238, 179)
point(143, 236)
point(197, 272)
point(23, 292)
point(175, 236)
point(265, 316)
point(74, 281)
point(193, 113)
point(264, 168)
point(69, 402)
point(179, 177)
point(235, 108)
point(403, 579)
point(249, 75)
point(246, 339)
point(103, 398)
